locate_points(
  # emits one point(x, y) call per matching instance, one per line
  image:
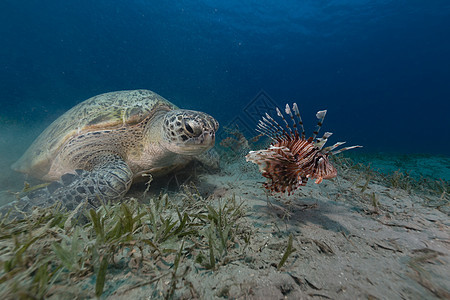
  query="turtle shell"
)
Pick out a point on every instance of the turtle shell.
point(103, 112)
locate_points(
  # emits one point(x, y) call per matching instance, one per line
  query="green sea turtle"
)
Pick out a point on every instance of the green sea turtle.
point(96, 149)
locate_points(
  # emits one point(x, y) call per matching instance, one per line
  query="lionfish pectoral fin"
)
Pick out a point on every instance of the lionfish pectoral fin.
point(319, 180)
point(330, 148)
point(345, 149)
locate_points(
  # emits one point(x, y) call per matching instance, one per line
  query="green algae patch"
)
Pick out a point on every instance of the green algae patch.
point(152, 243)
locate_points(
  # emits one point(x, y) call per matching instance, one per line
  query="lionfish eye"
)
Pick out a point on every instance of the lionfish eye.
point(318, 160)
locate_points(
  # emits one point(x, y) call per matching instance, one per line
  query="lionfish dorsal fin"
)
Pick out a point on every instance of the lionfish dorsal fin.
point(269, 127)
point(322, 141)
point(265, 127)
point(319, 115)
point(294, 124)
point(291, 133)
point(299, 119)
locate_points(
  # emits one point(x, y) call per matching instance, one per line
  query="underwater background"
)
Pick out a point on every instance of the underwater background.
point(379, 230)
point(380, 68)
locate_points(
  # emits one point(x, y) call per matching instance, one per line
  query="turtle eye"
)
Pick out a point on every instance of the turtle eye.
point(192, 127)
point(189, 128)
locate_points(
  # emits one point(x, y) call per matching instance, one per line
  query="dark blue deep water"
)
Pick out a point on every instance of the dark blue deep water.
point(381, 68)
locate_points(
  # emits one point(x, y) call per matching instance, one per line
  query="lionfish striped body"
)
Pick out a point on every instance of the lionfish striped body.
point(291, 158)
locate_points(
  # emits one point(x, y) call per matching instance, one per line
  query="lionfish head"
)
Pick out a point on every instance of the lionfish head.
point(322, 168)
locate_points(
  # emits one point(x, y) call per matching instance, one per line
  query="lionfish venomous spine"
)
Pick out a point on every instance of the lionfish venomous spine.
point(291, 158)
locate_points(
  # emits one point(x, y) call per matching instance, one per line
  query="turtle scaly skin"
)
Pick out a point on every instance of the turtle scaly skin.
point(96, 149)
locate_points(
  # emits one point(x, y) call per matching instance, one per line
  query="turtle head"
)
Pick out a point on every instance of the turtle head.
point(188, 132)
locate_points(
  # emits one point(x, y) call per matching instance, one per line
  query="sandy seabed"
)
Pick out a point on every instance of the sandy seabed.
point(345, 247)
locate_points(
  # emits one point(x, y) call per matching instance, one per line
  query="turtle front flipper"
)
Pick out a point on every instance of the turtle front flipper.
point(108, 181)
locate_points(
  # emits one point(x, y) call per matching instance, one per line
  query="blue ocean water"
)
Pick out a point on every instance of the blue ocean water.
point(381, 68)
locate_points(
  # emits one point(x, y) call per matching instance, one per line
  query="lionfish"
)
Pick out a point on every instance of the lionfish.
point(291, 158)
